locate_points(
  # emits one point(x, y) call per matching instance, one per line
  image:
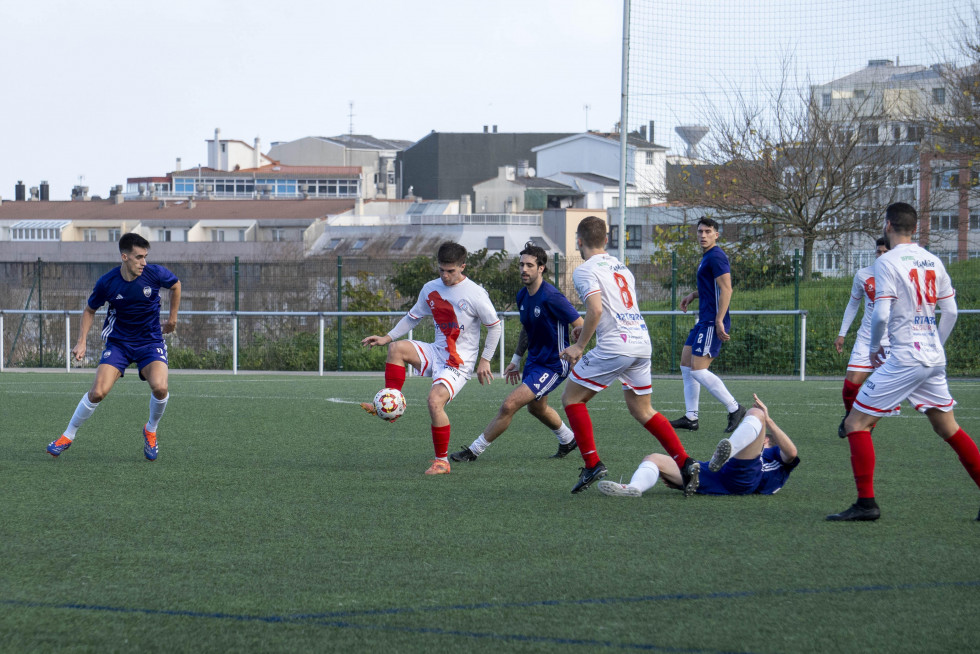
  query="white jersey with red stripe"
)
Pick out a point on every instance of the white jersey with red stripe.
point(863, 289)
point(621, 328)
point(913, 280)
point(457, 311)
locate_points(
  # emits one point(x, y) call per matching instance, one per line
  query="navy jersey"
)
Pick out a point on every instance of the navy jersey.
point(134, 307)
point(764, 475)
point(713, 264)
point(545, 317)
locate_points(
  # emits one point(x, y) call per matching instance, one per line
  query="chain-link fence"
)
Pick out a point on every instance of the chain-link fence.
point(208, 337)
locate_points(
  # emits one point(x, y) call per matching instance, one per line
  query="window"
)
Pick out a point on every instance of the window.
point(974, 221)
point(334, 242)
point(905, 176)
point(401, 242)
point(913, 133)
point(495, 242)
point(614, 236)
point(217, 235)
point(614, 201)
point(869, 133)
point(241, 235)
point(825, 101)
point(359, 244)
point(114, 235)
point(163, 234)
point(89, 235)
point(864, 219)
point(860, 94)
point(946, 179)
point(277, 235)
point(939, 96)
point(634, 237)
point(649, 157)
point(826, 261)
point(897, 133)
point(944, 222)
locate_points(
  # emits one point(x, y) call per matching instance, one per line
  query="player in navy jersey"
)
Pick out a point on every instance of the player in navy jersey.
point(545, 317)
point(714, 294)
point(750, 461)
point(132, 334)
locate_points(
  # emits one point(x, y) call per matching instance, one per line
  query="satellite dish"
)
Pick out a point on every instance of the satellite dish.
point(531, 172)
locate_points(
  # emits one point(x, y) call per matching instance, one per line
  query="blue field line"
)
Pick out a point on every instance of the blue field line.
point(335, 619)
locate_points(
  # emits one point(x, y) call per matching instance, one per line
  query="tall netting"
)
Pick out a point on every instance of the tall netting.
point(794, 124)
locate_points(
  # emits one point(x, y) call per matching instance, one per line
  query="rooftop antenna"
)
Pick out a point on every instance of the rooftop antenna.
point(692, 135)
point(350, 129)
point(586, 107)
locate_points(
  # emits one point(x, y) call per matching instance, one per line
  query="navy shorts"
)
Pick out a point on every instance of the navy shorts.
point(702, 340)
point(541, 380)
point(736, 477)
point(120, 355)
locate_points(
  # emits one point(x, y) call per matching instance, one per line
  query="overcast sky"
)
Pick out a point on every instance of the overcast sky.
point(95, 91)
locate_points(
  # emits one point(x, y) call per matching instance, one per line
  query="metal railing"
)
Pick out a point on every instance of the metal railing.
point(322, 316)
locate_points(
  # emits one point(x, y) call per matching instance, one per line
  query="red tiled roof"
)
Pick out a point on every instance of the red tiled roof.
point(149, 210)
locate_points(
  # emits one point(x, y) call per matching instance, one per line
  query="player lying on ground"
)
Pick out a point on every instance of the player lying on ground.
point(757, 458)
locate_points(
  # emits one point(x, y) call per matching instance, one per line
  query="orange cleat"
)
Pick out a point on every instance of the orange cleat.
point(438, 467)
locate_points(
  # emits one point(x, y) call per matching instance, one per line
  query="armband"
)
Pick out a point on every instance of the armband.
point(516, 360)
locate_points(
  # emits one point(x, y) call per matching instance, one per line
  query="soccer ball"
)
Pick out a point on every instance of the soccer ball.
point(389, 403)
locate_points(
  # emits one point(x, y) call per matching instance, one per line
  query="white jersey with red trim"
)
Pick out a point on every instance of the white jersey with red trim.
point(913, 280)
point(621, 328)
point(457, 311)
point(863, 289)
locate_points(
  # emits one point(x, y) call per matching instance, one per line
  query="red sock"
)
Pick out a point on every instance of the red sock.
point(863, 462)
point(661, 429)
point(581, 424)
point(966, 449)
point(440, 441)
point(849, 393)
point(394, 376)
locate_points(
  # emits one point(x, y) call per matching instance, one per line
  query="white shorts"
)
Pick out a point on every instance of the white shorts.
point(596, 371)
point(886, 388)
point(434, 365)
point(860, 360)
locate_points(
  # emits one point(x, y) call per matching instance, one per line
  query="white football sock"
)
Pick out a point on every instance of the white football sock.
point(479, 445)
point(716, 387)
point(645, 477)
point(692, 393)
point(157, 407)
point(743, 436)
point(564, 434)
point(82, 413)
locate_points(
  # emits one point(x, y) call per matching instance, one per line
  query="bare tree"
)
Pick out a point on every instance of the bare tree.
point(784, 162)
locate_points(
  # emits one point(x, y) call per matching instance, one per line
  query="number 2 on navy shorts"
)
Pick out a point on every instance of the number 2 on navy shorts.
point(703, 342)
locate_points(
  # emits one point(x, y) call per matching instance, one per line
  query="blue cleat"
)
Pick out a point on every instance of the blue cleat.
point(57, 447)
point(150, 448)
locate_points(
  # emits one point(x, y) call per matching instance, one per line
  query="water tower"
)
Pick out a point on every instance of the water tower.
point(692, 135)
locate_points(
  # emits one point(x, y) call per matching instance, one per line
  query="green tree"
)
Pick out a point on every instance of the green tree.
point(498, 273)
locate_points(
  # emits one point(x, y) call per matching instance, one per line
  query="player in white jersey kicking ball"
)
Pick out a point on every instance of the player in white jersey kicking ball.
point(910, 282)
point(756, 459)
point(458, 307)
point(859, 365)
point(622, 353)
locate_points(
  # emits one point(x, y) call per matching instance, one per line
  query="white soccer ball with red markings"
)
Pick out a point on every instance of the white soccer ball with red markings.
point(389, 403)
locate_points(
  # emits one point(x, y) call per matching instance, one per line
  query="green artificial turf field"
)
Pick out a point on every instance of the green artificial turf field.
point(280, 518)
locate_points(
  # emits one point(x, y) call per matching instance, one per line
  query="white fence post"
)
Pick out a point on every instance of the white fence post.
point(67, 342)
point(321, 345)
point(803, 346)
point(234, 344)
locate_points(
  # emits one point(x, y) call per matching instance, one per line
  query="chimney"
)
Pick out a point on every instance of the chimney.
point(650, 132)
point(465, 205)
point(45, 191)
point(522, 168)
point(256, 154)
point(20, 191)
point(178, 165)
point(494, 129)
point(643, 132)
point(486, 129)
